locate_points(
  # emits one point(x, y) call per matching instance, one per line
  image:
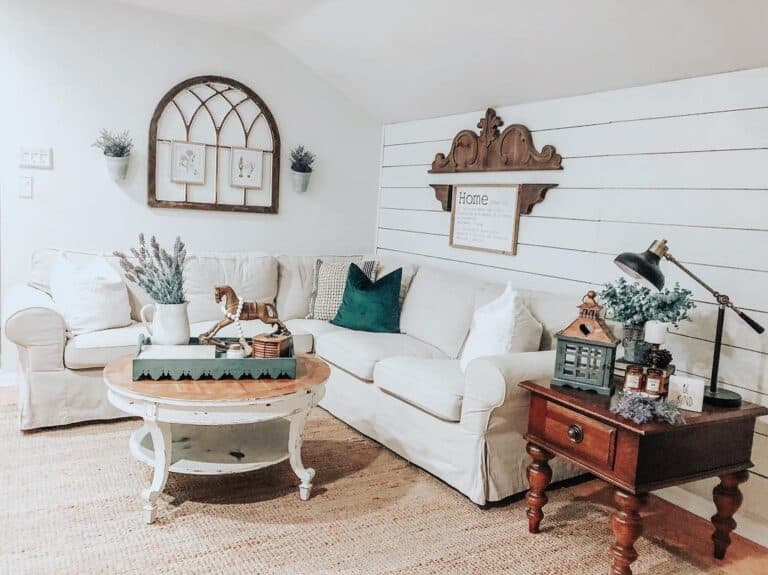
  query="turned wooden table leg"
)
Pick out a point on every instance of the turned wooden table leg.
point(539, 477)
point(627, 527)
point(727, 498)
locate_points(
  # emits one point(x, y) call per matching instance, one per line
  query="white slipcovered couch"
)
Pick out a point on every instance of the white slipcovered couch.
point(404, 390)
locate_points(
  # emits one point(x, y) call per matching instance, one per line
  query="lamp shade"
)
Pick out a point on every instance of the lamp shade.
point(643, 266)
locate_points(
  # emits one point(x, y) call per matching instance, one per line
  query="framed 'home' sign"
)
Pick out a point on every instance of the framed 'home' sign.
point(484, 217)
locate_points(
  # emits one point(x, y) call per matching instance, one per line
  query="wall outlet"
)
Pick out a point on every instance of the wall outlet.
point(25, 187)
point(39, 158)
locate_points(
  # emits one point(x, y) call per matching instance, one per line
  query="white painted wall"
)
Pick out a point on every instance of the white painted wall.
point(685, 161)
point(71, 68)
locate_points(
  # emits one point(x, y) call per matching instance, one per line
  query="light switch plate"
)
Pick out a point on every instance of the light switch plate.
point(39, 158)
point(25, 187)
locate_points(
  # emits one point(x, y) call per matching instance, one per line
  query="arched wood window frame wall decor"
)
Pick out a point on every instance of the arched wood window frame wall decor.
point(202, 91)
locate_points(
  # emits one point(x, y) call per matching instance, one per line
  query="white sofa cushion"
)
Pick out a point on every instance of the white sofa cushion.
point(438, 308)
point(358, 351)
point(252, 276)
point(503, 325)
point(90, 295)
point(98, 348)
point(433, 385)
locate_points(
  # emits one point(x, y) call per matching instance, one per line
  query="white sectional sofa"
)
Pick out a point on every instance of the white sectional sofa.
point(404, 390)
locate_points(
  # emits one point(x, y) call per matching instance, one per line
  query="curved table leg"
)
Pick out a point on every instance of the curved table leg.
point(539, 477)
point(627, 527)
point(728, 499)
point(295, 440)
point(161, 442)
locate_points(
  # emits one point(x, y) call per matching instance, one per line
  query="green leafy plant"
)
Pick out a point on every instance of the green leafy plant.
point(159, 273)
point(302, 159)
point(627, 303)
point(114, 144)
point(671, 306)
point(633, 304)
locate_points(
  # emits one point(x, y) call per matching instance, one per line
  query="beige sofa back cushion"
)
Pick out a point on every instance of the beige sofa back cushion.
point(252, 276)
point(42, 264)
point(439, 306)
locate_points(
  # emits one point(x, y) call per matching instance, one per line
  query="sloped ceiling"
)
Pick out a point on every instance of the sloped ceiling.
point(408, 59)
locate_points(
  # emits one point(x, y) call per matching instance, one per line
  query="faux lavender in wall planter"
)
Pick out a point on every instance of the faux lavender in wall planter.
point(301, 168)
point(117, 148)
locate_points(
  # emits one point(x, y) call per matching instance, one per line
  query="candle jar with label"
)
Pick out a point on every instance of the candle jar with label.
point(634, 379)
point(655, 382)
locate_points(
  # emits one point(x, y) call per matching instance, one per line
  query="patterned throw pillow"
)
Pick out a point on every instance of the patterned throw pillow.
point(328, 286)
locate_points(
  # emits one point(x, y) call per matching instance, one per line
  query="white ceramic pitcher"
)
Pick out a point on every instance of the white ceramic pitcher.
point(170, 323)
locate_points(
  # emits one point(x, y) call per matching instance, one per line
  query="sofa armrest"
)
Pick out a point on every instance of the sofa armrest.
point(31, 319)
point(492, 381)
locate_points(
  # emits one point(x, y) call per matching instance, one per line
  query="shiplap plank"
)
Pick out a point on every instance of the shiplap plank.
point(741, 129)
point(521, 280)
point(743, 209)
point(731, 91)
point(425, 222)
point(739, 367)
point(409, 199)
point(737, 169)
point(736, 332)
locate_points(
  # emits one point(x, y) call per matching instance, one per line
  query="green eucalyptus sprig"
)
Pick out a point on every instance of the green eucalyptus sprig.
point(159, 273)
point(634, 304)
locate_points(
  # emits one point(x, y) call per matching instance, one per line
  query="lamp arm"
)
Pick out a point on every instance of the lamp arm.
point(722, 299)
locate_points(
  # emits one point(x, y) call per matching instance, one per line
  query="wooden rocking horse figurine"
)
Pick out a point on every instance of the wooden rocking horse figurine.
point(236, 310)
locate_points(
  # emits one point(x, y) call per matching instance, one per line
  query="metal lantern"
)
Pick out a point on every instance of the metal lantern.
point(586, 351)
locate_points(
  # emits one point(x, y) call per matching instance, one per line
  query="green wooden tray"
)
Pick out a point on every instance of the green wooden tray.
point(220, 368)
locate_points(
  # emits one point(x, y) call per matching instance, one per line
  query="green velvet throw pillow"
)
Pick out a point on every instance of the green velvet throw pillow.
point(370, 306)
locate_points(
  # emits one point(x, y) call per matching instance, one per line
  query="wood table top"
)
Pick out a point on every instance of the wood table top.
point(310, 371)
point(599, 406)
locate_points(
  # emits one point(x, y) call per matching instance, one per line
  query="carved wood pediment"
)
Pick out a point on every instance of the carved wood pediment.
point(491, 150)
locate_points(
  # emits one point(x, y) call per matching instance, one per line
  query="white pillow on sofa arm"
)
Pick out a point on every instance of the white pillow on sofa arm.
point(502, 326)
point(90, 296)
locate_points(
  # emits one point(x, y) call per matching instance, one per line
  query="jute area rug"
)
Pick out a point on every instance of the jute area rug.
point(69, 505)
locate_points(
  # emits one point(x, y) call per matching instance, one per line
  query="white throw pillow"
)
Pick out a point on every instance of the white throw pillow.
point(502, 326)
point(90, 295)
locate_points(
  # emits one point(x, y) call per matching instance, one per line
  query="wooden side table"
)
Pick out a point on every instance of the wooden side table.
point(637, 459)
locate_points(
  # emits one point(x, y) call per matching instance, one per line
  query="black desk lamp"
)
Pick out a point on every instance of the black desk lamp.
point(645, 266)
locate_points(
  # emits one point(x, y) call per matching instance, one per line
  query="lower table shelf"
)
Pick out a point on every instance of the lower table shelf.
point(217, 450)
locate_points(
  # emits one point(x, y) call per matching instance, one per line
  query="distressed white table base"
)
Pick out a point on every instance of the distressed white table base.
point(217, 438)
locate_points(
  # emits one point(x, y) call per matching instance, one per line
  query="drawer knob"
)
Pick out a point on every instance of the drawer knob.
point(575, 433)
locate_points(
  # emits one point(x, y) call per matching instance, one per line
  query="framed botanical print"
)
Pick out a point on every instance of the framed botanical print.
point(245, 168)
point(187, 163)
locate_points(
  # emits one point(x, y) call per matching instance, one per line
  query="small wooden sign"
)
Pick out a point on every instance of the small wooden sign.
point(686, 393)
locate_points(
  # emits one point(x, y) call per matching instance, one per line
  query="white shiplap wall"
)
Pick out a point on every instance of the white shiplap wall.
point(686, 161)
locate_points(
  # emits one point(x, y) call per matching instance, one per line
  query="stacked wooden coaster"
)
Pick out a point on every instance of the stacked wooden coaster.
point(268, 346)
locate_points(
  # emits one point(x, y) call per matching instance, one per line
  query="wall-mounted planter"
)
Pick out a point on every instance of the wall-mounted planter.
point(117, 167)
point(300, 181)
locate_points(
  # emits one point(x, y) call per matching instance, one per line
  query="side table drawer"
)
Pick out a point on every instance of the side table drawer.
point(585, 438)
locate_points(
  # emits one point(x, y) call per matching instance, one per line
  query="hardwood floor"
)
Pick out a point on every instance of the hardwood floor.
point(687, 532)
point(678, 528)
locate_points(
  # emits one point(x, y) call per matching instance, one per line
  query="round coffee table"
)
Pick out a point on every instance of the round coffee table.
point(212, 427)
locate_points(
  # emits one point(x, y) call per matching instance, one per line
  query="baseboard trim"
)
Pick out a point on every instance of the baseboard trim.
point(748, 527)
